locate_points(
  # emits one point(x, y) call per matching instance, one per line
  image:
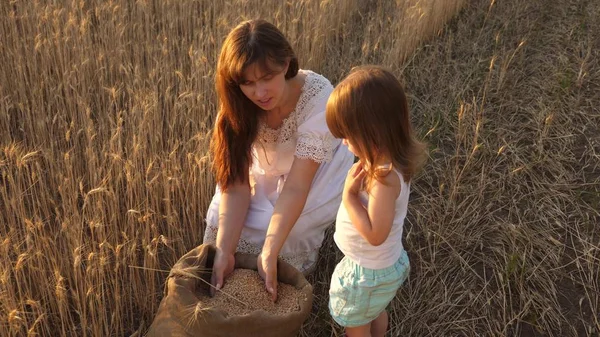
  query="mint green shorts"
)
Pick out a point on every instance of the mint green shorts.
point(357, 295)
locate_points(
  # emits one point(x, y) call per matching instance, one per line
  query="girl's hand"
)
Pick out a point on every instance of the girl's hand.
point(223, 265)
point(267, 268)
point(354, 179)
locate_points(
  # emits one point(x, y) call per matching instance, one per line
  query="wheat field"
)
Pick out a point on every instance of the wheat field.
point(106, 109)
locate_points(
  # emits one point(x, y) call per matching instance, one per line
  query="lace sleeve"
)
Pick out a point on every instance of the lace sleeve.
point(315, 141)
point(315, 147)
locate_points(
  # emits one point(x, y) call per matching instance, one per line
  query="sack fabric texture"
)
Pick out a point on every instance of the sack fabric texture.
point(182, 314)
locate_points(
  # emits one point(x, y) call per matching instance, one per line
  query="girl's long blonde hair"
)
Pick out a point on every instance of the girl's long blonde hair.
point(369, 108)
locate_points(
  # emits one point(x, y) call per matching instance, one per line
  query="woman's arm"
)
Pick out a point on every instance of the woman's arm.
point(232, 214)
point(289, 205)
point(287, 210)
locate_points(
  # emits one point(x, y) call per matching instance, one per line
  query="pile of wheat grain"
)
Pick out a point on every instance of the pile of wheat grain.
point(244, 292)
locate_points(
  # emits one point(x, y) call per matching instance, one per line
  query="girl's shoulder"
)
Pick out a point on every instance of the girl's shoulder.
point(387, 178)
point(390, 175)
point(388, 169)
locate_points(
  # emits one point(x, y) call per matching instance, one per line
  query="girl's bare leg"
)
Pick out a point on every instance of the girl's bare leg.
point(359, 331)
point(379, 325)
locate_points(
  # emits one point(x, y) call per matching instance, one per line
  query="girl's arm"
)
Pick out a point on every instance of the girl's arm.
point(287, 210)
point(374, 223)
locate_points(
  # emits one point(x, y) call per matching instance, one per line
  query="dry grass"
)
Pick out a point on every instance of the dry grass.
point(105, 108)
point(503, 235)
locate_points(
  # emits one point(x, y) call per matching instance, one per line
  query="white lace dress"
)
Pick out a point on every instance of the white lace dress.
point(303, 134)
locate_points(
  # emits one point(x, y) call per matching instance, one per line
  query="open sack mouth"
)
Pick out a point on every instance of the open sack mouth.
point(242, 307)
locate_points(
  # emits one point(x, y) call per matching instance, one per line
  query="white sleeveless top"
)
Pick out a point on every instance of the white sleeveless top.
point(358, 249)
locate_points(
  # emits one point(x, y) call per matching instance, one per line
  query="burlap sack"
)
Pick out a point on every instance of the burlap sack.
point(182, 314)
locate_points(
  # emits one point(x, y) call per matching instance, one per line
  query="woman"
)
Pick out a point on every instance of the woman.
point(279, 171)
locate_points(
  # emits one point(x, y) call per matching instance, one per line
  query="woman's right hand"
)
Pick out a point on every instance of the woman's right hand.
point(232, 213)
point(222, 266)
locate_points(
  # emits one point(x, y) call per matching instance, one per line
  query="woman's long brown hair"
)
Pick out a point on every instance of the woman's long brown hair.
point(369, 108)
point(236, 126)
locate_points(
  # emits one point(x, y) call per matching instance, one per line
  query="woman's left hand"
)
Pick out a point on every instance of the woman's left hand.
point(267, 269)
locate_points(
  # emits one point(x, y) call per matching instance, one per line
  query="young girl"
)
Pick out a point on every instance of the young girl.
point(369, 111)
